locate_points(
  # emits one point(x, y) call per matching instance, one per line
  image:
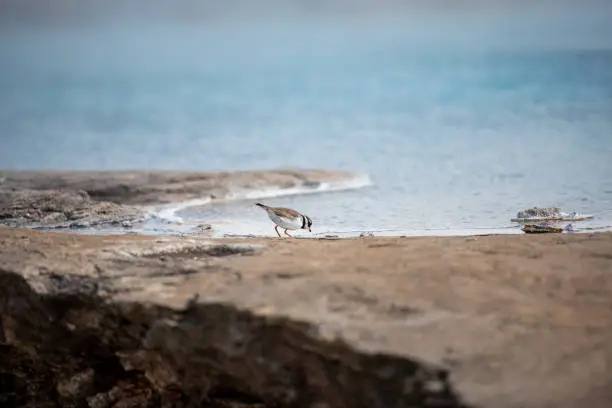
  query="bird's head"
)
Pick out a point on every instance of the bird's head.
point(308, 223)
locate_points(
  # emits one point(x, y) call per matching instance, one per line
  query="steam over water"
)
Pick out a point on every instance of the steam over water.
point(459, 116)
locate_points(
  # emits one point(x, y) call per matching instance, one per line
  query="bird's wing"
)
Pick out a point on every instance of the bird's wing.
point(286, 212)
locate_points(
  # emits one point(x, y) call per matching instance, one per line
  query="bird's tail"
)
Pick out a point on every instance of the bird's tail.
point(261, 205)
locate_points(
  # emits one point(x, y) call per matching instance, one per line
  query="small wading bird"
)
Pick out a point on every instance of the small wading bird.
point(287, 219)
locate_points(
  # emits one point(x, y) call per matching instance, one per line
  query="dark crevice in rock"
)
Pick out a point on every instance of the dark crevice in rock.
point(67, 349)
point(68, 284)
point(224, 393)
point(111, 193)
point(217, 250)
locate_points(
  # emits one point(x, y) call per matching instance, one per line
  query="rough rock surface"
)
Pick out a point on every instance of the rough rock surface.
point(62, 209)
point(542, 228)
point(496, 321)
point(159, 187)
point(69, 344)
point(71, 348)
point(537, 212)
point(548, 214)
point(94, 199)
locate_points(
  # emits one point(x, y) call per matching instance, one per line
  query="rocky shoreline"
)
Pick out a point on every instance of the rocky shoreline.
point(76, 200)
point(128, 320)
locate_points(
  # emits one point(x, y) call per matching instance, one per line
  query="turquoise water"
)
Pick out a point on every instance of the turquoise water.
point(454, 136)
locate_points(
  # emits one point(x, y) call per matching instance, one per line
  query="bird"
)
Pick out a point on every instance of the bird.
point(287, 219)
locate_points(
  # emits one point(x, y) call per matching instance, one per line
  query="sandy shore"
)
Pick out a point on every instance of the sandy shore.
point(488, 321)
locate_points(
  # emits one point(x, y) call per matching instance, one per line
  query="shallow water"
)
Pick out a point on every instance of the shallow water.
point(454, 139)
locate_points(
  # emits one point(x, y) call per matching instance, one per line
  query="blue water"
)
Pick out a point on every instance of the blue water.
point(453, 136)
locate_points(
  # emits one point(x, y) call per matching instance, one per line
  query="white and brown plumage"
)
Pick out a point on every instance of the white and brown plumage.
point(287, 219)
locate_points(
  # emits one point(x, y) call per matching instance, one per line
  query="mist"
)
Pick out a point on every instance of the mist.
point(308, 25)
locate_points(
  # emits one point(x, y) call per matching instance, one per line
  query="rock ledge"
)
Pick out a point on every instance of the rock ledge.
point(70, 347)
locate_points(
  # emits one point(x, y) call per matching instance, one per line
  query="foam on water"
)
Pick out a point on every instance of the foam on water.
point(168, 212)
point(326, 186)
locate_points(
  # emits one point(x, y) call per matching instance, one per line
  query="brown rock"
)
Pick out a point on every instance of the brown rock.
point(61, 209)
point(78, 385)
point(541, 229)
point(365, 322)
point(157, 187)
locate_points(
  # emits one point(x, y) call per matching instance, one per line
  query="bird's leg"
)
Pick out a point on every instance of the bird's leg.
point(287, 234)
point(276, 229)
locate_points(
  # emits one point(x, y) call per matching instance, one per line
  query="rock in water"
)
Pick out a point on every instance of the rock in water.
point(548, 214)
point(537, 212)
point(540, 228)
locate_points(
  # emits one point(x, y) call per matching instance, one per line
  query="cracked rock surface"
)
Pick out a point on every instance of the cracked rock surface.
point(62, 209)
point(155, 187)
point(131, 321)
point(86, 199)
